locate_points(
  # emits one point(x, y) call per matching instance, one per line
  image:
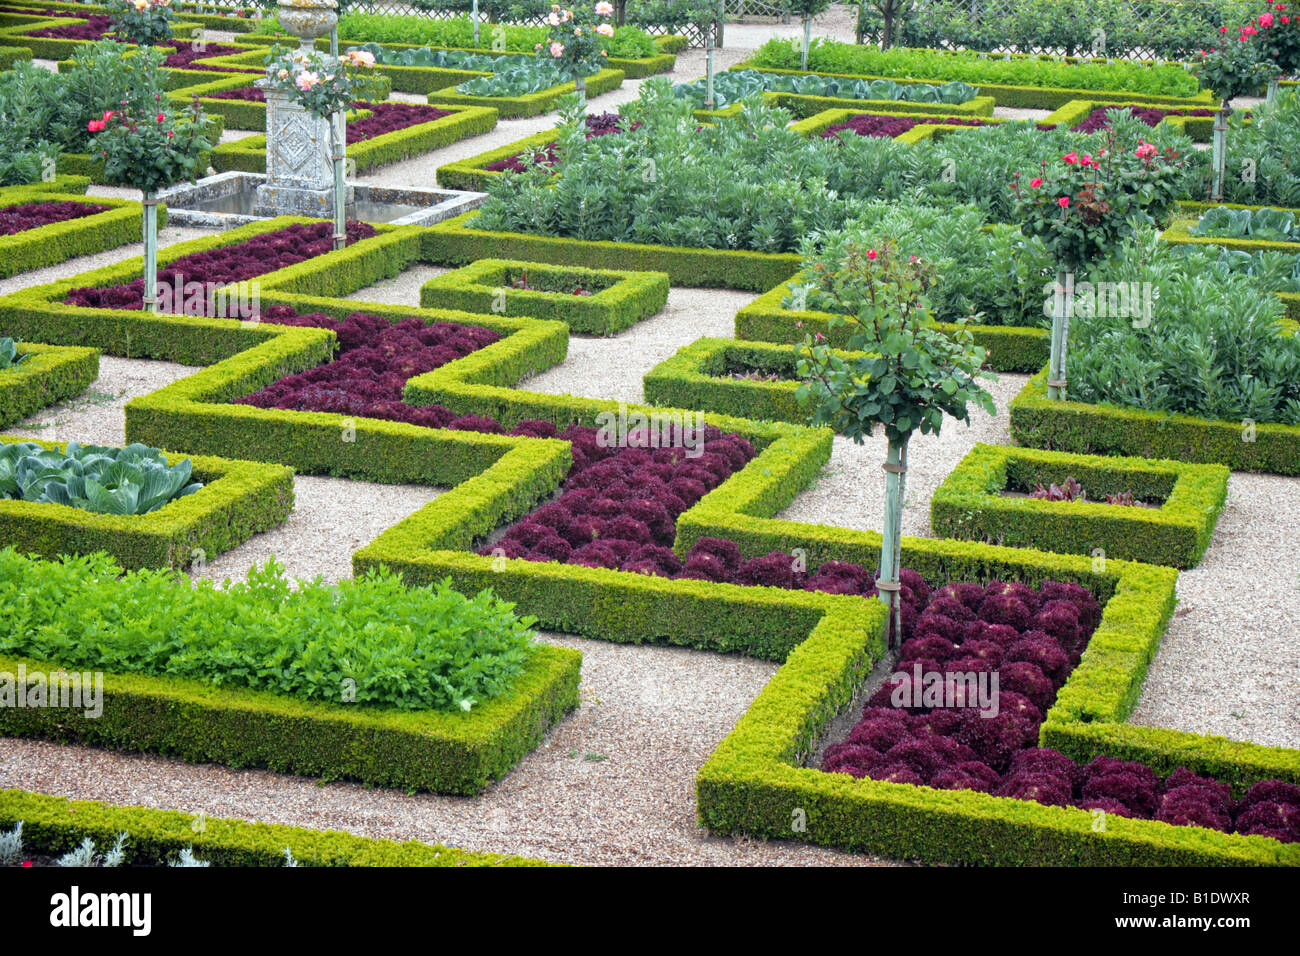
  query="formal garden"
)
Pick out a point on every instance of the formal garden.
point(649, 433)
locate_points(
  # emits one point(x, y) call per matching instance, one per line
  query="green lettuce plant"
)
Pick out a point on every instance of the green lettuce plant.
point(134, 480)
point(9, 354)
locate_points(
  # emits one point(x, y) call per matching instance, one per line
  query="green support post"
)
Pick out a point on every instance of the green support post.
point(150, 204)
point(1062, 292)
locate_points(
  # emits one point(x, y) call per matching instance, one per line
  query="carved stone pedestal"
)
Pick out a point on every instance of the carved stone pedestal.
point(299, 173)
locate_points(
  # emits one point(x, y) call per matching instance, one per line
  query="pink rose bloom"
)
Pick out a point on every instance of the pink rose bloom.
point(1036, 182)
point(1145, 150)
point(1266, 19)
point(871, 254)
point(1071, 158)
point(604, 9)
point(306, 80)
point(1063, 202)
point(605, 30)
point(553, 19)
point(557, 50)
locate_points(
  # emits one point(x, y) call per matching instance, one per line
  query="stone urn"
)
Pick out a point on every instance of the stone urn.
point(308, 19)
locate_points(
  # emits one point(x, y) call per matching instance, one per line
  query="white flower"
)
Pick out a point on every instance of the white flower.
point(605, 30)
point(604, 9)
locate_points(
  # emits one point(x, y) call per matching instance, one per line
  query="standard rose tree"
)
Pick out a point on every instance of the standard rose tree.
point(149, 145)
point(908, 373)
point(1278, 37)
point(144, 22)
point(1083, 206)
point(578, 41)
point(807, 9)
point(1232, 69)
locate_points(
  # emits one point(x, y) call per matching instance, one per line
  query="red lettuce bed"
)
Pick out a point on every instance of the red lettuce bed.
point(15, 219)
point(95, 28)
point(1150, 115)
point(235, 263)
point(1032, 639)
point(600, 124)
point(186, 55)
point(384, 118)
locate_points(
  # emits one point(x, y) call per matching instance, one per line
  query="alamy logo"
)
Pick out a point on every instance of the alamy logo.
point(82, 691)
point(657, 430)
point(976, 689)
point(74, 909)
point(210, 300)
point(1119, 300)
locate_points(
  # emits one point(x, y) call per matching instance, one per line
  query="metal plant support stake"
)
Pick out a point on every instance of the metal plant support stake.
point(580, 86)
point(338, 148)
point(1219, 157)
point(1061, 296)
point(474, 15)
point(1271, 97)
point(334, 40)
point(891, 539)
point(708, 74)
point(150, 203)
point(807, 40)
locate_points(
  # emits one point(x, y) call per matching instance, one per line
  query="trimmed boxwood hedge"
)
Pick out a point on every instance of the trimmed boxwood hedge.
point(805, 105)
point(50, 375)
point(238, 499)
point(9, 55)
point(697, 377)
point(1011, 348)
point(249, 153)
point(1037, 422)
point(627, 298)
point(55, 825)
point(59, 241)
point(530, 104)
point(1021, 97)
point(969, 504)
point(455, 242)
point(472, 173)
point(458, 753)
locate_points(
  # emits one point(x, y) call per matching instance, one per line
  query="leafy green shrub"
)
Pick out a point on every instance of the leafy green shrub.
point(9, 354)
point(1270, 225)
point(368, 640)
point(750, 183)
point(1271, 270)
point(994, 270)
point(117, 481)
point(736, 85)
point(829, 56)
point(43, 114)
point(1213, 347)
point(1263, 163)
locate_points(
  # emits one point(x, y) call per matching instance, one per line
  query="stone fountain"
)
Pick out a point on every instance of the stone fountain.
point(299, 175)
point(299, 178)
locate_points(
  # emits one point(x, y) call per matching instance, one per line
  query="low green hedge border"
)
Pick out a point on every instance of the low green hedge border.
point(1021, 97)
point(38, 312)
point(9, 55)
point(1179, 232)
point(55, 825)
point(755, 782)
point(238, 499)
point(697, 377)
point(456, 242)
point(472, 173)
point(59, 241)
point(627, 298)
point(457, 753)
point(51, 374)
point(1037, 422)
point(530, 104)
point(63, 183)
point(805, 105)
point(969, 505)
point(249, 154)
point(1011, 348)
